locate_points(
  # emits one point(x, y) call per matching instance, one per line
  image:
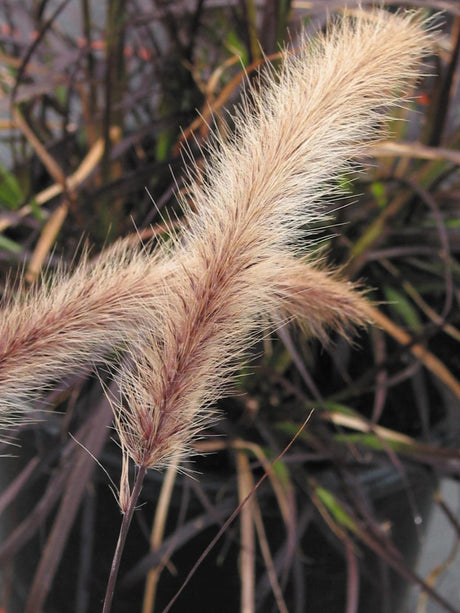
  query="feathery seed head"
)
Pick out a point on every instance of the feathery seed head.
point(52, 330)
point(236, 264)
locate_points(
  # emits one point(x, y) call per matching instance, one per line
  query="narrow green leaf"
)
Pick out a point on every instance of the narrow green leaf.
point(337, 511)
point(10, 191)
point(379, 193)
point(36, 209)
point(402, 306)
point(9, 245)
point(236, 47)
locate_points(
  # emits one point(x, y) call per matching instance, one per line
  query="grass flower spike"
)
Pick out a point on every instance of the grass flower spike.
point(51, 331)
point(238, 260)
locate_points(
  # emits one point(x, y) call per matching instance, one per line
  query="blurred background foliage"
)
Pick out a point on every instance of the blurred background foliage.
point(98, 110)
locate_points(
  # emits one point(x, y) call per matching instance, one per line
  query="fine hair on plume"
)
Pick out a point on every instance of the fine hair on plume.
point(183, 315)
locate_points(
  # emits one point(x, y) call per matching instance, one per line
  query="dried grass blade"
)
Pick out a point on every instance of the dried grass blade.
point(88, 164)
point(19, 482)
point(430, 361)
point(33, 522)
point(267, 556)
point(45, 243)
point(415, 150)
point(352, 579)
point(48, 161)
point(247, 540)
point(156, 536)
point(77, 482)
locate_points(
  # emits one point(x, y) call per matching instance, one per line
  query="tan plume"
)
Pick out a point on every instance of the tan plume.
point(238, 260)
point(51, 330)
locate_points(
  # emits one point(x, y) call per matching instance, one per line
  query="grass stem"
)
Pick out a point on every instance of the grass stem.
point(125, 524)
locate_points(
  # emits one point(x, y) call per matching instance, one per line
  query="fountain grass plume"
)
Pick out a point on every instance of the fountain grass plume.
point(238, 259)
point(74, 320)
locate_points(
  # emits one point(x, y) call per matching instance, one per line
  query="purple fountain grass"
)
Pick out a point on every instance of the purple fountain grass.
point(235, 265)
point(199, 306)
point(185, 316)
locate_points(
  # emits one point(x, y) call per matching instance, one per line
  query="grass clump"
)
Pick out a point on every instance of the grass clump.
point(175, 317)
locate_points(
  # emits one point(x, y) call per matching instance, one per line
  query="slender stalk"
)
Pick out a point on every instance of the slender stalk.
point(125, 524)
